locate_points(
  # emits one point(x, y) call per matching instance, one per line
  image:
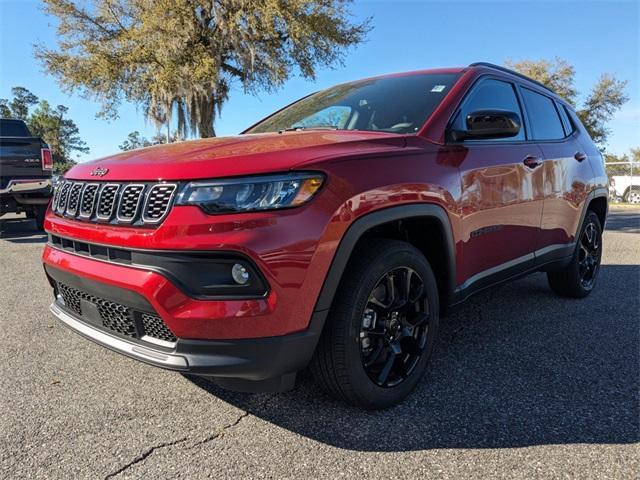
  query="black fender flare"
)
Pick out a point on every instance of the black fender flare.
point(358, 228)
point(592, 195)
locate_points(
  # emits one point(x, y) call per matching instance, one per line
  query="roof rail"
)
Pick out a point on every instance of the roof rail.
point(512, 72)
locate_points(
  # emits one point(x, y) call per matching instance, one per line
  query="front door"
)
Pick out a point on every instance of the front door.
point(501, 193)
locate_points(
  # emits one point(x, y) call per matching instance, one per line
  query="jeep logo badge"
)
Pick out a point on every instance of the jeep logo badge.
point(99, 172)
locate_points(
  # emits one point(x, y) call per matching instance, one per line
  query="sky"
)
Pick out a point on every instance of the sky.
point(595, 37)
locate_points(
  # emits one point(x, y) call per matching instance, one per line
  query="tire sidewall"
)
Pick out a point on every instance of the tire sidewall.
point(371, 394)
point(590, 218)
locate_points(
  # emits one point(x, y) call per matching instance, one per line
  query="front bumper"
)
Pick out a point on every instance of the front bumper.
point(266, 363)
point(256, 365)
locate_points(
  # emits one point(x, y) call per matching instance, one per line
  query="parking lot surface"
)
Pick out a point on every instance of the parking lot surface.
point(523, 384)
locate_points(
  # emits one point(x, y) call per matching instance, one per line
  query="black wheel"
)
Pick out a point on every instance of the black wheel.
point(579, 277)
point(39, 215)
point(382, 326)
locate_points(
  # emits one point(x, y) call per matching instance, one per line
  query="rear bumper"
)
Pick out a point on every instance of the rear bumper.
point(252, 364)
point(20, 186)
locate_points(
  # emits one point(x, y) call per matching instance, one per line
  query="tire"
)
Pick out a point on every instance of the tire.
point(578, 279)
point(632, 196)
point(39, 215)
point(353, 335)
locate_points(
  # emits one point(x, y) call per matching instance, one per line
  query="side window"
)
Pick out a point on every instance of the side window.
point(545, 122)
point(566, 122)
point(492, 95)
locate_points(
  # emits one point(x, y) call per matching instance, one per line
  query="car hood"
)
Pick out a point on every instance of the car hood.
point(234, 156)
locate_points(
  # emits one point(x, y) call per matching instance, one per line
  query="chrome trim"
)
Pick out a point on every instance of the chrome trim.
point(17, 185)
point(60, 209)
point(135, 213)
point(498, 268)
point(513, 263)
point(169, 203)
point(115, 201)
point(158, 341)
point(140, 352)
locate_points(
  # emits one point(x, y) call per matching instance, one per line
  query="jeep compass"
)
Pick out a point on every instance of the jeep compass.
point(332, 234)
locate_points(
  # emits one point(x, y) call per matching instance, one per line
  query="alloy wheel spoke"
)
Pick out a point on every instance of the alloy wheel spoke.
point(418, 319)
point(373, 357)
point(386, 370)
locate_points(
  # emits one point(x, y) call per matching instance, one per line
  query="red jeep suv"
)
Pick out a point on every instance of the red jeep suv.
point(331, 234)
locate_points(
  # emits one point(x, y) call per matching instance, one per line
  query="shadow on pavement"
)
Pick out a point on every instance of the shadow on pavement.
point(516, 366)
point(624, 221)
point(21, 230)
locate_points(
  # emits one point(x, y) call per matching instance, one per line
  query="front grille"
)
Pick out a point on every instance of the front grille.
point(155, 206)
point(116, 317)
point(137, 204)
point(107, 200)
point(88, 202)
point(74, 198)
point(63, 197)
point(130, 202)
point(156, 328)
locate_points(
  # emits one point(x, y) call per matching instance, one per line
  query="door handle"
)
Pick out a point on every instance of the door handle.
point(532, 161)
point(580, 156)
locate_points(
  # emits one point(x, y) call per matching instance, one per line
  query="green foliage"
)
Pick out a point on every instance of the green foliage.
point(633, 158)
point(606, 97)
point(51, 124)
point(136, 140)
point(181, 57)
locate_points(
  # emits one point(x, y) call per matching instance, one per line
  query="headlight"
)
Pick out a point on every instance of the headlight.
point(251, 193)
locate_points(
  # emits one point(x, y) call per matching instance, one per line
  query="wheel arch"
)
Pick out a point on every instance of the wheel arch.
point(398, 222)
point(597, 201)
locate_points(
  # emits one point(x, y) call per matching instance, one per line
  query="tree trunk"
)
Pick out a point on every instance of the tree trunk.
point(207, 112)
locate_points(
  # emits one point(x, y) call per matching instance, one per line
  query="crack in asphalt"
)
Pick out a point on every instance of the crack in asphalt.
point(144, 455)
point(221, 431)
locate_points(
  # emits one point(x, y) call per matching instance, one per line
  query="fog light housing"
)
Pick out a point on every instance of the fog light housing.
point(240, 274)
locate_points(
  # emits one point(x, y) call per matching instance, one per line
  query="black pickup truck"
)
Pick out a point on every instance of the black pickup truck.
point(26, 166)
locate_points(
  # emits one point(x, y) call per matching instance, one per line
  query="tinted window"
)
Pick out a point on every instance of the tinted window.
point(13, 128)
point(492, 95)
point(388, 104)
point(544, 117)
point(566, 120)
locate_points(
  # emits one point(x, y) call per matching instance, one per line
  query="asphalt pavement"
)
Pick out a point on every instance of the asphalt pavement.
point(523, 384)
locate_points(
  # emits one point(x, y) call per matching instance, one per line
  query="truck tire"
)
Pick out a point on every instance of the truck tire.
point(382, 326)
point(40, 212)
point(578, 278)
point(632, 196)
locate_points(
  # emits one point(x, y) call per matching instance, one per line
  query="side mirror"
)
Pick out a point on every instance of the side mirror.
point(486, 124)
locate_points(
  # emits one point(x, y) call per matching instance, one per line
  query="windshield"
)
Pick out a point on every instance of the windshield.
point(389, 104)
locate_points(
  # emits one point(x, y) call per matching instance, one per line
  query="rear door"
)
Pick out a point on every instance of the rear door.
point(501, 192)
point(566, 174)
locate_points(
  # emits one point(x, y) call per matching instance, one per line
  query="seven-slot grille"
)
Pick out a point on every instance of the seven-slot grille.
point(136, 204)
point(118, 318)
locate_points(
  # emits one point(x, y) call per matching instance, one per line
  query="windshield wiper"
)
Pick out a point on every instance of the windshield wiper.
point(300, 128)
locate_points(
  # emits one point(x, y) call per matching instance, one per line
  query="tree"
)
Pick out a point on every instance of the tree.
point(136, 140)
point(605, 98)
point(181, 57)
point(51, 124)
point(631, 163)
